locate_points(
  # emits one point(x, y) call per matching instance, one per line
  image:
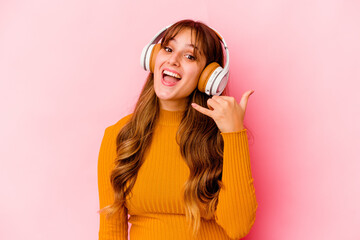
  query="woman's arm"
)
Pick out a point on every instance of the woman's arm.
point(237, 204)
point(116, 228)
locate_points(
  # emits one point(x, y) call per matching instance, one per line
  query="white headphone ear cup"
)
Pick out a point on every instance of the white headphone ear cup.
point(145, 57)
point(209, 88)
point(215, 82)
point(148, 56)
point(219, 83)
point(142, 57)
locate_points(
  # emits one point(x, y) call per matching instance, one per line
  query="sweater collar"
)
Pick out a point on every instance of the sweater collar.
point(170, 118)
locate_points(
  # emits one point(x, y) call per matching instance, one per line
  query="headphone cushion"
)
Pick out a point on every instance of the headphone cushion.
point(206, 74)
point(154, 53)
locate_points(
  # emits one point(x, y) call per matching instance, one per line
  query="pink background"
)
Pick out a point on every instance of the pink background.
point(69, 69)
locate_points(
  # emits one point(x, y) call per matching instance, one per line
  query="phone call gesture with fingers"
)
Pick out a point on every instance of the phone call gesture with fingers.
point(226, 112)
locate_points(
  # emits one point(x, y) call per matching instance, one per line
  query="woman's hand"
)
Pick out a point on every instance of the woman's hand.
point(226, 112)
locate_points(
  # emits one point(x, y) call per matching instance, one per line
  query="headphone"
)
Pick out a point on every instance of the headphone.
point(213, 78)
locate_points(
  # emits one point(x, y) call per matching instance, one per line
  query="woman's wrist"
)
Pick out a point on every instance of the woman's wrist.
point(237, 129)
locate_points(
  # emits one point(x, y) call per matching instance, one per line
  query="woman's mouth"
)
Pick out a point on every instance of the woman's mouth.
point(170, 79)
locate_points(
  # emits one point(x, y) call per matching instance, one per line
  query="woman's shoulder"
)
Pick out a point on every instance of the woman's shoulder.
point(119, 124)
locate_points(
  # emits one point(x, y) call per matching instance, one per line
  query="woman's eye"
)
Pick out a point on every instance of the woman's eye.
point(191, 57)
point(167, 48)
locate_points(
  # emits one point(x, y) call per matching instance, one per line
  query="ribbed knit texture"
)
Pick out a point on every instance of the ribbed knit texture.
point(156, 204)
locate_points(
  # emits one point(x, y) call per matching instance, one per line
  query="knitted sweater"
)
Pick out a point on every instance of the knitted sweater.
point(156, 206)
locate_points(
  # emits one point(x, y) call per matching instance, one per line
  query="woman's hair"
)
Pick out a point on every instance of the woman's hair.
point(198, 136)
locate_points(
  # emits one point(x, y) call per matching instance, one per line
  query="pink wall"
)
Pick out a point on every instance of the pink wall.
point(68, 69)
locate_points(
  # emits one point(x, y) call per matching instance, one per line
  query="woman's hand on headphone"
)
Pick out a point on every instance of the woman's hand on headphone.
point(227, 113)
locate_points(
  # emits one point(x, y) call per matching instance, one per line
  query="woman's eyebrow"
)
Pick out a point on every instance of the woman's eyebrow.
point(189, 45)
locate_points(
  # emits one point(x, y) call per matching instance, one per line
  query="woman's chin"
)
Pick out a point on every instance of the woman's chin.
point(164, 92)
point(164, 95)
point(172, 94)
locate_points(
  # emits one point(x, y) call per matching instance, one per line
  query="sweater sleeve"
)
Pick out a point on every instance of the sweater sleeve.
point(237, 203)
point(116, 228)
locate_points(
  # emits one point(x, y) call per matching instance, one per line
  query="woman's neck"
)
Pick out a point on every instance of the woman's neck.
point(170, 118)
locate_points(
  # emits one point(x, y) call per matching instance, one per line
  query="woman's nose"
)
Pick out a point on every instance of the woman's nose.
point(174, 58)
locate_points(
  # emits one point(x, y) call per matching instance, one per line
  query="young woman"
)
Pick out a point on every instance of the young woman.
point(179, 164)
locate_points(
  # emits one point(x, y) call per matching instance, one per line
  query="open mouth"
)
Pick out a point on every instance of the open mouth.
point(170, 78)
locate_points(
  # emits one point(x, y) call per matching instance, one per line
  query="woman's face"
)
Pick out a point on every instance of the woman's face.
point(177, 57)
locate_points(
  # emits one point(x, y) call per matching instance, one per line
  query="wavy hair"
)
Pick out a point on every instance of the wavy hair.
point(199, 138)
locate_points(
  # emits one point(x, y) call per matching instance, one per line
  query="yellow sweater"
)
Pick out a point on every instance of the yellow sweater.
point(156, 207)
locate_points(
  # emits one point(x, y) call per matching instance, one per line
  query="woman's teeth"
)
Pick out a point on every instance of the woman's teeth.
point(171, 74)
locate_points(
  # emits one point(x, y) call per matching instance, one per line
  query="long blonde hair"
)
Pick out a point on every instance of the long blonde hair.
point(199, 138)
